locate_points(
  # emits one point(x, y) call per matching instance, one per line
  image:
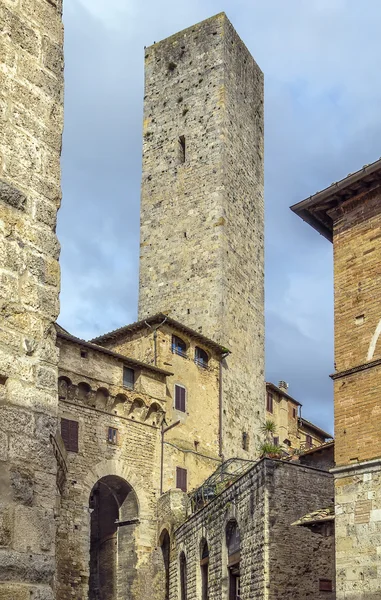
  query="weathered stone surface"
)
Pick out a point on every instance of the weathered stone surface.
point(22, 482)
point(12, 196)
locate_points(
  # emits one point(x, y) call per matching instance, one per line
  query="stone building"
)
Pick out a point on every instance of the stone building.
point(348, 214)
point(31, 119)
point(103, 440)
point(292, 431)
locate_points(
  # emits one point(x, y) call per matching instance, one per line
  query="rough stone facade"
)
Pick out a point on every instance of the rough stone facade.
point(202, 207)
point(277, 559)
point(348, 213)
point(31, 119)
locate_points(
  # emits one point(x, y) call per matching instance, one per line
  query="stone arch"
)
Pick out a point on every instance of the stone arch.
point(64, 384)
point(83, 391)
point(138, 409)
point(113, 553)
point(155, 414)
point(101, 398)
point(119, 403)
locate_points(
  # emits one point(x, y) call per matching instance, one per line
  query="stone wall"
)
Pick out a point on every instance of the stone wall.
point(278, 560)
point(31, 117)
point(202, 207)
point(130, 468)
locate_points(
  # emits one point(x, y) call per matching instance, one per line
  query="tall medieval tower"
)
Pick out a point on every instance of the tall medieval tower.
point(31, 119)
point(202, 221)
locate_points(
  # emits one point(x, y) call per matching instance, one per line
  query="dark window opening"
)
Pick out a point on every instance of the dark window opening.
point(183, 577)
point(180, 393)
point(270, 402)
point(179, 346)
point(309, 441)
point(181, 479)
point(204, 565)
point(276, 441)
point(128, 378)
point(83, 354)
point(165, 549)
point(233, 542)
point(69, 434)
point(245, 440)
point(294, 413)
point(325, 585)
point(182, 149)
point(200, 357)
point(112, 435)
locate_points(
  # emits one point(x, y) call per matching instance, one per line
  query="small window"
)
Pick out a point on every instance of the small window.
point(180, 393)
point(128, 378)
point(182, 149)
point(245, 440)
point(270, 402)
point(83, 354)
point(309, 441)
point(181, 479)
point(179, 346)
point(325, 585)
point(276, 441)
point(112, 435)
point(200, 357)
point(69, 434)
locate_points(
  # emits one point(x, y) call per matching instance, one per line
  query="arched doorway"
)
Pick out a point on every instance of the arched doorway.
point(204, 566)
point(165, 545)
point(114, 518)
point(233, 545)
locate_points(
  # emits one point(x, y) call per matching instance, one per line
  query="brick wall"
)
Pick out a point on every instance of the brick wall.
point(31, 119)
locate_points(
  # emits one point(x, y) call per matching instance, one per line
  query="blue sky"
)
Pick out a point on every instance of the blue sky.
point(322, 103)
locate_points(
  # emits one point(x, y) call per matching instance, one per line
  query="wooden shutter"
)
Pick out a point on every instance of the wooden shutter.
point(179, 398)
point(181, 479)
point(69, 434)
point(269, 402)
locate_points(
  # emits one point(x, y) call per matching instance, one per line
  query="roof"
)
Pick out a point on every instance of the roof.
point(329, 444)
point(279, 390)
point(318, 516)
point(65, 335)
point(314, 427)
point(159, 318)
point(314, 210)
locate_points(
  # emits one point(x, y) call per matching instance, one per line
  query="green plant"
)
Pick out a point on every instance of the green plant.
point(269, 449)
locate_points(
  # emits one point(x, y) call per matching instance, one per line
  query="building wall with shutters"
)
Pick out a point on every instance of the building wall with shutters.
point(194, 443)
point(277, 559)
point(31, 121)
point(135, 458)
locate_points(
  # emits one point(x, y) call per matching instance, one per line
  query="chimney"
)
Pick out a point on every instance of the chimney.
point(282, 385)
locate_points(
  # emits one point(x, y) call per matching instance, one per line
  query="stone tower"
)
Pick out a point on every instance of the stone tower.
point(202, 208)
point(31, 97)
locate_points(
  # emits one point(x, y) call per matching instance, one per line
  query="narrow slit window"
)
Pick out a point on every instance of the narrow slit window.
point(182, 149)
point(112, 436)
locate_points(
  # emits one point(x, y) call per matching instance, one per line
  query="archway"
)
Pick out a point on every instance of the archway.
point(165, 545)
point(114, 518)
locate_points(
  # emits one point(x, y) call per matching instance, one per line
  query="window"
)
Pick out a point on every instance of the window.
point(128, 378)
point(181, 479)
point(294, 413)
point(325, 585)
point(276, 441)
point(204, 565)
point(233, 543)
point(309, 441)
point(270, 402)
point(183, 577)
point(69, 434)
point(200, 357)
point(182, 149)
point(180, 393)
point(112, 435)
point(245, 440)
point(179, 346)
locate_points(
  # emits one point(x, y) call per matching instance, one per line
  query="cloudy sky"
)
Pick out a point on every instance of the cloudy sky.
point(321, 60)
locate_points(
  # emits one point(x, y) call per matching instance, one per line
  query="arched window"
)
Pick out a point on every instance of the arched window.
point(204, 566)
point(200, 357)
point(183, 577)
point(179, 346)
point(83, 390)
point(233, 544)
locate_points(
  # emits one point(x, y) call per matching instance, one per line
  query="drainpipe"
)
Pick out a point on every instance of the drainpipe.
point(163, 431)
point(155, 339)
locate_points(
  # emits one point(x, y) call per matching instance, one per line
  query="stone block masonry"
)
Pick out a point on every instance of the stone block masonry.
point(31, 109)
point(202, 207)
